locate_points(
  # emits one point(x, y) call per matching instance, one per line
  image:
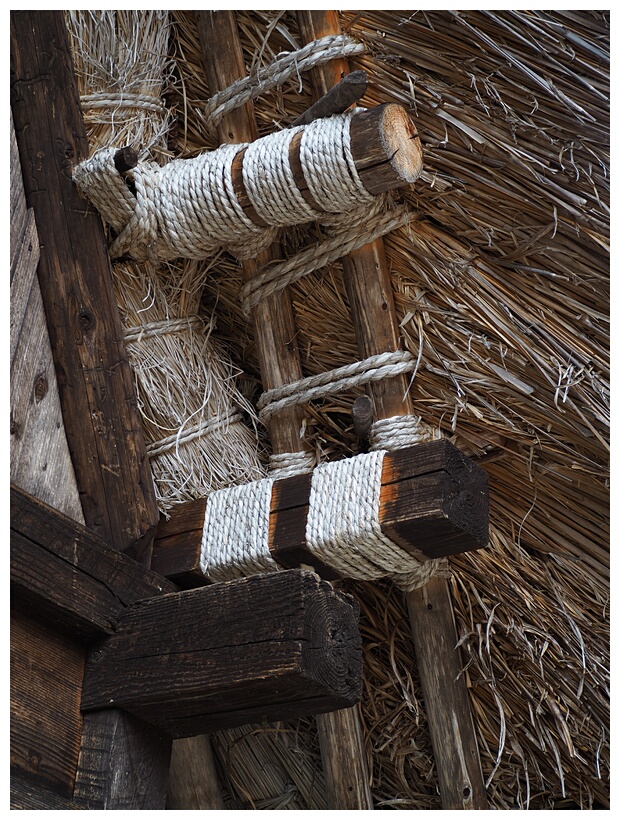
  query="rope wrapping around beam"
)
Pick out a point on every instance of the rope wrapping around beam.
point(283, 68)
point(190, 208)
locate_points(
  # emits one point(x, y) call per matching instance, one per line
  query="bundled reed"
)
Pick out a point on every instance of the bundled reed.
point(502, 288)
point(193, 410)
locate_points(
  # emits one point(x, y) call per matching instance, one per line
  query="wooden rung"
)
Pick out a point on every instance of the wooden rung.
point(271, 647)
point(434, 503)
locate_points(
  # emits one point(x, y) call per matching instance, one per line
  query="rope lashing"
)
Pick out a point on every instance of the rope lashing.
point(188, 433)
point(189, 208)
point(285, 465)
point(283, 68)
point(374, 368)
point(165, 327)
point(342, 529)
point(349, 238)
point(235, 538)
point(401, 431)
point(123, 99)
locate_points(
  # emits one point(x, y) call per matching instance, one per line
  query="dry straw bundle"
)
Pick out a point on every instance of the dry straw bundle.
point(192, 408)
point(501, 287)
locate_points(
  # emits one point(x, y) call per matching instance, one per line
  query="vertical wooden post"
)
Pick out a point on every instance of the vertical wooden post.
point(95, 382)
point(279, 363)
point(374, 317)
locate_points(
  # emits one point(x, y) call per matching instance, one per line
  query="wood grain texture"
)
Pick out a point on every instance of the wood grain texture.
point(274, 325)
point(194, 662)
point(94, 378)
point(193, 778)
point(344, 760)
point(46, 676)
point(453, 737)
point(123, 763)
point(40, 459)
point(368, 284)
point(69, 576)
point(29, 795)
point(433, 503)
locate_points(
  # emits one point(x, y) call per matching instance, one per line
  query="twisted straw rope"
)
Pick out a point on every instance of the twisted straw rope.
point(122, 99)
point(165, 327)
point(280, 276)
point(374, 368)
point(186, 434)
point(279, 71)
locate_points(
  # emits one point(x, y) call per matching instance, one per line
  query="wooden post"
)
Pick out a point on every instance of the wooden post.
point(374, 317)
point(273, 319)
point(95, 382)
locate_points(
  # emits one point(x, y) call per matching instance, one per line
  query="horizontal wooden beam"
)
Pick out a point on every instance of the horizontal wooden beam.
point(266, 648)
point(434, 503)
point(68, 574)
point(29, 794)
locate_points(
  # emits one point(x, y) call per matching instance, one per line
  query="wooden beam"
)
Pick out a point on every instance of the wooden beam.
point(265, 648)
point(434, 503)
point(96, 386)
point(369, 288)
point(68, 575)
point(348, 91)
point(46, 671)
point(29, 794)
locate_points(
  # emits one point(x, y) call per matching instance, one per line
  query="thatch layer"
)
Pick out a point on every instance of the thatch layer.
point(502, 285)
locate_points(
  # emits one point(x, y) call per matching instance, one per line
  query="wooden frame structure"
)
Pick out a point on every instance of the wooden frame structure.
point(98, 589)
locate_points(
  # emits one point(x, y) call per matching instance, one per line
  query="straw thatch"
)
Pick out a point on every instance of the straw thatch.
point(502, 283)
point(501, 287)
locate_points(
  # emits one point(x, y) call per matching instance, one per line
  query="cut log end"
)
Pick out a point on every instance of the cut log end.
point(402, 143)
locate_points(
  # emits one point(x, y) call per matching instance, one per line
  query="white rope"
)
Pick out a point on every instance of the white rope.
point(285, 465)
point(318, 52)
point(164, 327)
point(343, 528)
point(185, 434)
point(374, 368)
point(269, 181)
point(122, 99)
point(328, 165)
point(235, 538)
point(401, 431)
point(188, 208)
point(277, 277)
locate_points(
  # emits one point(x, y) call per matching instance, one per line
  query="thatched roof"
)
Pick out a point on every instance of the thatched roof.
point(502, 285)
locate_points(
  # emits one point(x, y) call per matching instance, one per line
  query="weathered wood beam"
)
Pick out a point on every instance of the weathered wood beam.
point(369, 287)
point(95, 382)
point(265, 648)
point(434, 503)
point(68, 575)
point(30, 795)
point(123, 765)
point(96, 386)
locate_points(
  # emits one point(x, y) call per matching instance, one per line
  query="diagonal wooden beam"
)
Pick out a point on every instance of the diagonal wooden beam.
point(368, 285)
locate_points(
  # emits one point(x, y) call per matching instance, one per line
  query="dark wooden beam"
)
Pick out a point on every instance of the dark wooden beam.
point(266, 648)
point(434, 503)
point(68, 575)
point(95, 382)
point(30, 795)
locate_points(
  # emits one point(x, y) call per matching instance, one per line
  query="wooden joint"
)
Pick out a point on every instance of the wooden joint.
point(194, 662)
point(434, 503)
